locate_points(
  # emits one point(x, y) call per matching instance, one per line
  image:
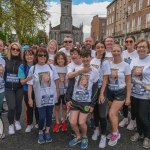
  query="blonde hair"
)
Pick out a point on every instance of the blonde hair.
point(55, 43)
point(9, 52)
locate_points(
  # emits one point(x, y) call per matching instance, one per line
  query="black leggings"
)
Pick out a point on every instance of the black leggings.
point(142, 111)
point(126, 109)
point(100, 116)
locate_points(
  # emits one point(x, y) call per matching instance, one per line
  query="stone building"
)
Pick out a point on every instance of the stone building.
point(128, 17)
point(65, 28)
point(98, 28)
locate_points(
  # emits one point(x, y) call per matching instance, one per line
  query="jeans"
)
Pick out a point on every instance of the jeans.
point(14, 102)
point(45, 114)
point(1, 101)
point(142, 111)
point(30, 110)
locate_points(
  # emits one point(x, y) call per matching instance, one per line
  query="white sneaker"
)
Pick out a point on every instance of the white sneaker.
point(102, 142)
point(11, 129)
point(95, 135)
point(131, 125)
point(124, 122)
point(29, 128)
point(114, 139)
point(18, 125)
point(36, 126)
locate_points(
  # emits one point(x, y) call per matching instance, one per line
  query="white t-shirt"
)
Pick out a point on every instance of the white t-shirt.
point(43, 81)
point(67, 52)
point(108, 55)
point(51, 58)
point(62, 71)
point(71, 67)
point(103, 69)
point(83, 85)
point(127, 57)
point(93, 53)
point(2, 69)
point(141, 77)
point(117, 77)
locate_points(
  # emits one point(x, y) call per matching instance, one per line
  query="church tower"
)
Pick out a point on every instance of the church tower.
point(66, 16)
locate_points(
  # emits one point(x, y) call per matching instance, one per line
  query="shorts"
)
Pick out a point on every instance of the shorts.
point(119, 95)
point(80, 106)
point(61, 100)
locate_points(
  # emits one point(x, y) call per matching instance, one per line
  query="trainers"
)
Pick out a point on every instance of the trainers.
point(64, 126)
point(11, 130)
point(135, 137)
point(95, 135)
point(56, 127)
point(36, 126)
point(29, 128)
point(146, 143)
point(114, 139)
point(17, 125)
point(4, 111)
point(102, 142)
point(74, 142)
point(2, 136)
point(123, 123)
point(84, 143)
point(41, 138)
point(109, 136)
point(48, 138)
point(131, 125)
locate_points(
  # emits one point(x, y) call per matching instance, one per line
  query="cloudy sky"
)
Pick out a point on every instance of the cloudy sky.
point(82, 12)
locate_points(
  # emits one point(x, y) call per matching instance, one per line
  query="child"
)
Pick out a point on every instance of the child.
point(60, 62)
point(81, 101)
point(52, 48)
point(28, 61)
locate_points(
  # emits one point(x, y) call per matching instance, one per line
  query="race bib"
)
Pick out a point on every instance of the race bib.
point(138, 89)
point(13, 78)
point(113, 87)
point(82, 96)
point(47, 100)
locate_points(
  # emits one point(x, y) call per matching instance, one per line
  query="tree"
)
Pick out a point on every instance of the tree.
point(23, 16)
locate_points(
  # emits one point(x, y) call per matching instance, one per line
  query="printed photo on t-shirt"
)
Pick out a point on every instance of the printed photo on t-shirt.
point(62, 77)
point(83, 82)
point(128, 60)
point(45, 79)
point(113, 78)
point(137, 72)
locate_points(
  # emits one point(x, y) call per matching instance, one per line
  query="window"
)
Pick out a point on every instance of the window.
point(139, 23)
point(140, 4)
point(134, 7)
point(148, 2)
point(148, 20)
point(133, 24)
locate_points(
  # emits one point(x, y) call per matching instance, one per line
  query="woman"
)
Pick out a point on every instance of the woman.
point(141, 92)
point(127, 56)
point(28, 61)
point(45, 84)
point(14, 90)
point(119, 87)
point(100, 109)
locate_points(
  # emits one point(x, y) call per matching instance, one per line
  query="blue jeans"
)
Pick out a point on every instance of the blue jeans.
point(1, 101)
point(45, 113)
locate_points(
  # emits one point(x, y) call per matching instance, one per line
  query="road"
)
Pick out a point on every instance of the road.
point(28, 141)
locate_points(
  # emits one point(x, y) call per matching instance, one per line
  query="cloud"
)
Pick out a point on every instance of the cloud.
point(81, 13)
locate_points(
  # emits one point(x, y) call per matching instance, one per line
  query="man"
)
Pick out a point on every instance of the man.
point(67, 45)
point(88, 43)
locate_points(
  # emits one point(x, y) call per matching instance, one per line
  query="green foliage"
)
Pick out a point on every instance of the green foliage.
point(24, 17)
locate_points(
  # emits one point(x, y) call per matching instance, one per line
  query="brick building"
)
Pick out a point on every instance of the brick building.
point(126, 17)
point(98, 28)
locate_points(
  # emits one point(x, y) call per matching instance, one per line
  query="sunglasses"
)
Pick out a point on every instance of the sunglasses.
point(129, 41)
point(42, 55)
point(67, 41)
point(15, 49)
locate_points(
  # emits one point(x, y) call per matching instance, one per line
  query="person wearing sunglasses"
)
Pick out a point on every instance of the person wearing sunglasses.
point(45, 83)
point(127, 56)
point(67, 46)
point(13, 87)
point(140, 92)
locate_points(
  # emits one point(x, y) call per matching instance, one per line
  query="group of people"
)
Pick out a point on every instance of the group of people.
point(100, 81)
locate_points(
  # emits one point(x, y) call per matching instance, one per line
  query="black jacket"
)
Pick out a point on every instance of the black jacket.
point(70, 89)
point(11, 73)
